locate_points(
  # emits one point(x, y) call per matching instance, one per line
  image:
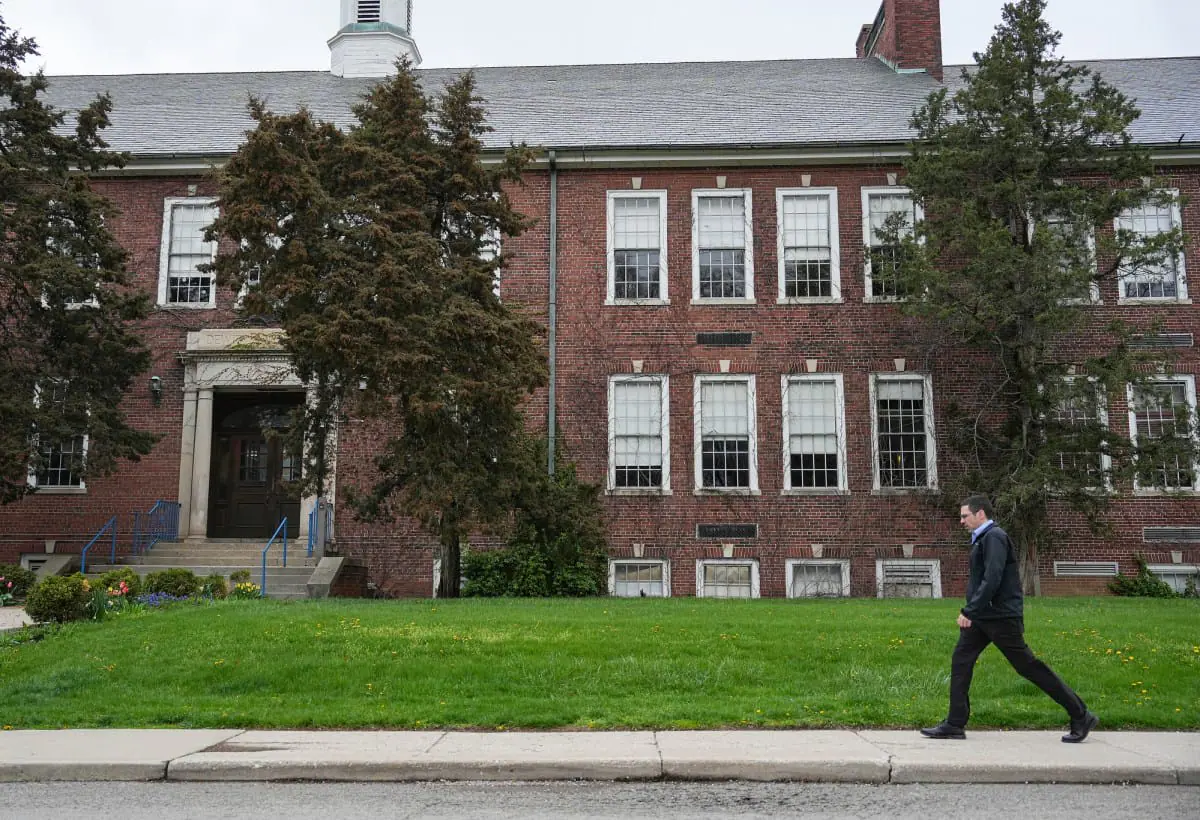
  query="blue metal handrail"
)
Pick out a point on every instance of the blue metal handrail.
point(111, 524)
point(160, 524)
point(282, 526)
point(318, 525)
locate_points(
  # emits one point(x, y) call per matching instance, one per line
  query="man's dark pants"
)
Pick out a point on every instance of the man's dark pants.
point(1008, 634)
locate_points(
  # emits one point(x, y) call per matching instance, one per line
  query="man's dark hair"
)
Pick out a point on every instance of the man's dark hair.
point(976, 503)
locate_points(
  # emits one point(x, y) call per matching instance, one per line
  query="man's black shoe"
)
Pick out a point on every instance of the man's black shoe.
point(944, 731)
point(1081, 727)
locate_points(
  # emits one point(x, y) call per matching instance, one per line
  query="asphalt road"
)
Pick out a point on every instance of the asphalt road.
point(574, 801)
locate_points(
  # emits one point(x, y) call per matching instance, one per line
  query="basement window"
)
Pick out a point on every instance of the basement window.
point(908, 578)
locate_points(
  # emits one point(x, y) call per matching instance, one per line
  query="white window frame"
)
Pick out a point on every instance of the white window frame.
point(664, 383)
point(665, 563)
point(792, 563)
point(935, 575)
point(32, 476)
point(1189, 383)
point(164, 263)
point(701, 563)
point(746, 195)
point(1159, 570)
point(91, 302)
point(843, 486)
point(1181, 296)
point(931, 482)
point(1102, 413)
point(663, 295)
point(698, 433)
point(835, 254)
point(1093, 297)
point(918, 214)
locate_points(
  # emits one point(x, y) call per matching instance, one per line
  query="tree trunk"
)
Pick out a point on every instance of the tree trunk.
point(451, 560)
point(1031, 578)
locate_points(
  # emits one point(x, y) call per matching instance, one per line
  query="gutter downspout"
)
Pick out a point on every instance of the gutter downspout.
point(553, 313)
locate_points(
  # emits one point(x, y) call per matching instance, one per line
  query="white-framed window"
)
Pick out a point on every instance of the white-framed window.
point(492, 247)
point(902, 431)
point(639, 434)
point(809, 252)
point(62, 231)
point(883, 258)
point(639, 578)
point(814, 433)
point(908, 578)
point(1064, 230)
point(727, 578)
point(184, 249)
point(722, 246)
point(637, 248)
point(726, 447)
point(1164, 407)
point(1085, 410)
point(60, 461)
point(1165, 282)
point(818, 578)
point(1175, 575)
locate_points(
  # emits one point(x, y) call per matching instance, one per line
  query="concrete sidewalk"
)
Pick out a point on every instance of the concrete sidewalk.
point(813, 756)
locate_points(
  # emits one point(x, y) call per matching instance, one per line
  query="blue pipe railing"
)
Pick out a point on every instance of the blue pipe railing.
point(318, 526)
point(282, 527)
point(160, 524)
point(111, 524)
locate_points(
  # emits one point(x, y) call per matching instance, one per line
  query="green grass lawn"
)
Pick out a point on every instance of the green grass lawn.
point(604, 664)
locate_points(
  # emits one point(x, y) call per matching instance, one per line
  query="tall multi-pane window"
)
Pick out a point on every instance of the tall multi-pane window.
point(814, 433)
point(639, 446)
point(808, 245)
point(1165, 280)
point(880, 206)
point(1079, 412)
point(184, 250)
point(637, 239)
point(1078, 242)
point(723, 246)
point(726, 452)
point(60, 458)
point(1164, 409)
point(902, 418)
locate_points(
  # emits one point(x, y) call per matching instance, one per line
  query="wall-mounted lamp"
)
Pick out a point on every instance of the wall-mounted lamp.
point(156, 389)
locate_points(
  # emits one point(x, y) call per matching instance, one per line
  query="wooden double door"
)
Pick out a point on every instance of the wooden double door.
point(254, 478)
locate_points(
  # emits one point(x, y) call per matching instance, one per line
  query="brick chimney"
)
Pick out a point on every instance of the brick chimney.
point(907, 35)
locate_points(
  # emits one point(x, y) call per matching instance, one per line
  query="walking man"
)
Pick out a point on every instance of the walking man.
point(995, 614)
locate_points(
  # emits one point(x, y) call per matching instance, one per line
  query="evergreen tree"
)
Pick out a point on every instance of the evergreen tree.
point(1021, 173)
point(377, 251)
point(68, 353)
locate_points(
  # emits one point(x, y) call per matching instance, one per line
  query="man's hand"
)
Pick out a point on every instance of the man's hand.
point(964, 621)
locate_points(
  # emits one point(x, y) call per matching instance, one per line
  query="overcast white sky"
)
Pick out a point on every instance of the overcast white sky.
point(148, 36)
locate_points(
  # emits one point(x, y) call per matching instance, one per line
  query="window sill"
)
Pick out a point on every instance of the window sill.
point(1149, 300)
point(746, 491)
point(186, 306)
point(884, 300)
point(1159, 492)
point(636, 302)
point(886, 491)
point(809, 300)
point(700, 302)
point(813, 491)
point(639, 491)
point(61, 491)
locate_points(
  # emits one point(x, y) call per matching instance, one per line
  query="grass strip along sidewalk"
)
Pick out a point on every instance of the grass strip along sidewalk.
point(602, 663)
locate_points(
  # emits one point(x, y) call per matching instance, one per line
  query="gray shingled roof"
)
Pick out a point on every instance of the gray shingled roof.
point(648, 105)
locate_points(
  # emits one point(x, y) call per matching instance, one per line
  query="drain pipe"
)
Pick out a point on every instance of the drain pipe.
point(553, 312)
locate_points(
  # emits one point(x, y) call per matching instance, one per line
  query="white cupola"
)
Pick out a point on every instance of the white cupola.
point(374, 34)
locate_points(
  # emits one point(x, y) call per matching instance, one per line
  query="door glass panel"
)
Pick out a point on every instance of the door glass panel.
point(252, 463)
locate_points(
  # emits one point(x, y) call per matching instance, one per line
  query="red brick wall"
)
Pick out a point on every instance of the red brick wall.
point(596, 341)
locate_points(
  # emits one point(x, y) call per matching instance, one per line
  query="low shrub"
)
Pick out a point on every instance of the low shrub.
point(213, 586)
point(239, 576)
point(20, 578)
point(179, 582)
point(1145, 584)
point(115, 577)
point(59, 599)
